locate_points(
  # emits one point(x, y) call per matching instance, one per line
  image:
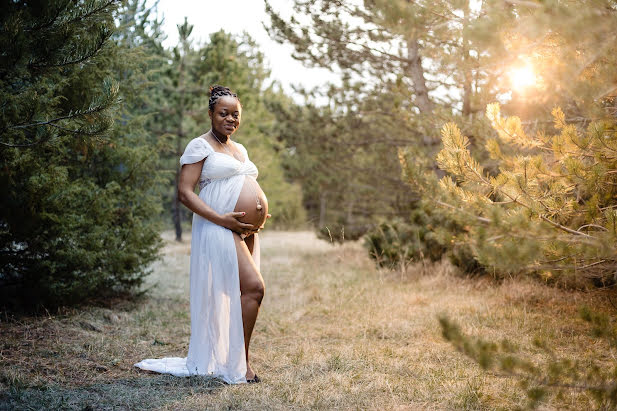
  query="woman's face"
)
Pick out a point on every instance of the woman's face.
point(226, 115)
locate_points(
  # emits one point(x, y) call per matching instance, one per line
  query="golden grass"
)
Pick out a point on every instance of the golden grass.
point(334, 332)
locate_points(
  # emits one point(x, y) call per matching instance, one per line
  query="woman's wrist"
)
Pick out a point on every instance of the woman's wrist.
point(218, 219)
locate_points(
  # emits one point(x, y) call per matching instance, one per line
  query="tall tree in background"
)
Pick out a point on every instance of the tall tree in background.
point(345, 161)
point(181, 107)
point(435, 49)
point(76, 215)
point(405, 66)
point(445, 60)
point(546, 204)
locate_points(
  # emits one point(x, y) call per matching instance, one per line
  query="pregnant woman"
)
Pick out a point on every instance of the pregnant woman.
point(226, 285)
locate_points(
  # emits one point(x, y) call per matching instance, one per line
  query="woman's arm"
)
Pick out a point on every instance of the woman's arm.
point(189, 176)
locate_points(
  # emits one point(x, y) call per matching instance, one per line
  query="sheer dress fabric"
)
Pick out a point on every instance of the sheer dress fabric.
point(216, 346)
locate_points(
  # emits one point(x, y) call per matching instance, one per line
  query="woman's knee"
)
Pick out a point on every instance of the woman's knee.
point(256, 291)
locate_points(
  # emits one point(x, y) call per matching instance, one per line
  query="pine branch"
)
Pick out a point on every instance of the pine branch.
point(80, 131)
point(100, 43)
point(548, 383)
point(364, 46)
point(52, 20)
point(554, 224)
point(491, 357)
point(564, 228)
point(68, 116)
point(481, 219)
point(592, 225)
point(92, 110)
point(584, 120)
point(94, 11)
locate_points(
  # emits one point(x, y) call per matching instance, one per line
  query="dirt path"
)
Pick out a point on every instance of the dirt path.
point(334, 332)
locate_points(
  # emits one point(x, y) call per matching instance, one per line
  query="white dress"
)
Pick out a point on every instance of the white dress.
point(217, 339)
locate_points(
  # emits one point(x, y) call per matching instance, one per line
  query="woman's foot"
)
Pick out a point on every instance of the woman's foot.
point(251, 377)
point(254, 380)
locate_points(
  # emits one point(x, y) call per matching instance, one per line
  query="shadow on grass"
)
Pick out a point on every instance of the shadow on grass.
point(144, 392)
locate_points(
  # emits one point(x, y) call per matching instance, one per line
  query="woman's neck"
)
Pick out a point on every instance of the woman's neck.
point(221, 138)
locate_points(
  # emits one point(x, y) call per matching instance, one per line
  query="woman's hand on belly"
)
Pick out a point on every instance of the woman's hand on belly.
point(232, 222)
point(255, 231)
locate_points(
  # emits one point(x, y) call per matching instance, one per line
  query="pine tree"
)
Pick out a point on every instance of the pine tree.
point(349, 175)
point(549, 186)
point(550, 209)
point(542, 203)
point(393, 57)
point(76, 209)
point(183, 57)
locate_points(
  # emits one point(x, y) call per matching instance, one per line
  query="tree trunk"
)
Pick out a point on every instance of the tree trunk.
point(466, 67)
point(322, 209)
point(466, 84)
point(177, 210)
point(177, 216)
point(416, 73)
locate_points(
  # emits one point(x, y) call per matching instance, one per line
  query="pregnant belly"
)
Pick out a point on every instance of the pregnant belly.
point(248, 202)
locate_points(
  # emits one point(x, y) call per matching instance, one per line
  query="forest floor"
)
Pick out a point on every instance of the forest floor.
point(334, 332)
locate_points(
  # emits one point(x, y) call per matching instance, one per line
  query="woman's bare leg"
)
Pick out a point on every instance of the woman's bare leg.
point(250, 242)
point(251, 293)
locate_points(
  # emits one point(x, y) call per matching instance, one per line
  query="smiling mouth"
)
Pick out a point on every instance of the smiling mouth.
point(229, 126)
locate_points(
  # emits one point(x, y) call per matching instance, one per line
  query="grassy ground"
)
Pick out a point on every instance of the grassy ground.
point(334, 332)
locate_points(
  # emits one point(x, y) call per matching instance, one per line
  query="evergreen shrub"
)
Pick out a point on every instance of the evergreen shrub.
point(76, 174)
point(548, 212)
point(428, 234)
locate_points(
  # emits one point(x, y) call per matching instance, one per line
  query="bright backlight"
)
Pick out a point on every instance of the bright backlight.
point(522, 77)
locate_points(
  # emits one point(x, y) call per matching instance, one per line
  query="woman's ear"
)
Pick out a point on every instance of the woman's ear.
point(210, 114)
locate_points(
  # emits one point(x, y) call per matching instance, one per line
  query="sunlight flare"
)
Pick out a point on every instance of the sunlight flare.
point(523, 77)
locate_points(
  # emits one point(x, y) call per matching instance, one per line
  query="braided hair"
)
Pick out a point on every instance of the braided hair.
point(216, 92)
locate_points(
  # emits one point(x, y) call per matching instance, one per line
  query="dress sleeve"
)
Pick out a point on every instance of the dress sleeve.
point(246, 154)
point(196, 150)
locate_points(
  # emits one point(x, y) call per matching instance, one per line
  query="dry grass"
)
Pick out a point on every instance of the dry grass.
point(334, 332)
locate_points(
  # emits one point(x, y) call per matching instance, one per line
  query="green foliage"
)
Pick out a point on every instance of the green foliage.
point(548, 211)
point(429, 234)
point(397, 242)
point(76, 173)
point(554, 373)
point(343, 158)
point(392, 244)
point(390, 94)
point(344, 154)
point(461, 255)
